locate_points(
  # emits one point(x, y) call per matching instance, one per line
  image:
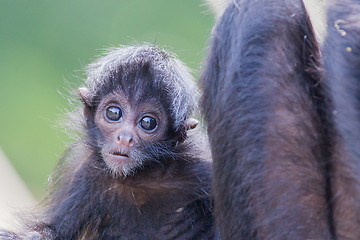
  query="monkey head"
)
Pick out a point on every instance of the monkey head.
point(137, 105)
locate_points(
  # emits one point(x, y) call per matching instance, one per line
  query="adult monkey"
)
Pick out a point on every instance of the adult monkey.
point(268, 126)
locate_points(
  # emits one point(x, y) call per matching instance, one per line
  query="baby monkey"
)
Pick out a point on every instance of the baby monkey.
point(135, 172)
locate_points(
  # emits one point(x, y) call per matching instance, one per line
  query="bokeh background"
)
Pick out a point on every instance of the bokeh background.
point(44, 44)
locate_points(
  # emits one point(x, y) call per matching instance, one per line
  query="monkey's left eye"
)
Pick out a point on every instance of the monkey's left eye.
point(113, 113)
point(148, 123)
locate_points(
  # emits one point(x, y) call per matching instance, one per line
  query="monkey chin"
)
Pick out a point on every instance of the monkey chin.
point(120, 165)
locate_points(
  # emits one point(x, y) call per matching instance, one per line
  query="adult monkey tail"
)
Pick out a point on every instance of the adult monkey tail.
point(342, 62)
point(265, 108)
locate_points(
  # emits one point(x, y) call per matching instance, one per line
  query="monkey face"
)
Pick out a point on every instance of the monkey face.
point(126, 128)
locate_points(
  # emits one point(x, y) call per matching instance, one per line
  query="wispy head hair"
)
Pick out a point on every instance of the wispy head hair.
point(120, 67)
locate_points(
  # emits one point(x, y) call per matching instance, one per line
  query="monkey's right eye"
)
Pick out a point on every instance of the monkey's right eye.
point(113, 113)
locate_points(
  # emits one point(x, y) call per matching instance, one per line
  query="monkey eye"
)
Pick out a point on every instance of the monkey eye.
point(148, 123)
point(113, 113)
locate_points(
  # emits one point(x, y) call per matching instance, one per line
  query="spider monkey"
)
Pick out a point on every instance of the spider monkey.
point(284, 127)
point(139, 170)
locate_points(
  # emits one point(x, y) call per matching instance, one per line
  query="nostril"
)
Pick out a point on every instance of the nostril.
point(131, 142)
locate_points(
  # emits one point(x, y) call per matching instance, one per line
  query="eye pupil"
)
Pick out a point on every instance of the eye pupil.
point(148, 123)
point(113, 113)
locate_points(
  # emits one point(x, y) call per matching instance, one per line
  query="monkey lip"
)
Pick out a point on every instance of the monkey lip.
point(118, 157)
point(120, 154)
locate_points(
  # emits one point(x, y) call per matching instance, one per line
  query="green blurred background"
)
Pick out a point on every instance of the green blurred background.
point(45, 43)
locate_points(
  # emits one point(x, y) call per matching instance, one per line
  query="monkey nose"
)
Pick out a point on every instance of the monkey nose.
point(125, 140)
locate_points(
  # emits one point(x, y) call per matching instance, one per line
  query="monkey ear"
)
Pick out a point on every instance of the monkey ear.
point(84, 95)
point(190, 123)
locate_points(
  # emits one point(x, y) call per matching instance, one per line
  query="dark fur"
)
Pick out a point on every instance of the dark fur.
point(342, 61)
point(267, 122)
point(168, 198)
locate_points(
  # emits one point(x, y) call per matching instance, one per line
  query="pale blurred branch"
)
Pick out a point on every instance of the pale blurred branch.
point(14, 195)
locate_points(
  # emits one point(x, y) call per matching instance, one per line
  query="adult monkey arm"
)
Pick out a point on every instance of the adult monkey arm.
point(342, 62)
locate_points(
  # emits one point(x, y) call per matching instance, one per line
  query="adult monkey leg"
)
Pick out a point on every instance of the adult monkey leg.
point(342, 61)
point(267, 124)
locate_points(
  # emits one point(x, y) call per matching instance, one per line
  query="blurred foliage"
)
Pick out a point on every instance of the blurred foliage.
point(44, 43)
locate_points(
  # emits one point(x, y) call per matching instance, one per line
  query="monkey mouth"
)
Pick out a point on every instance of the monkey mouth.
point(117, 158)
point(121, 154)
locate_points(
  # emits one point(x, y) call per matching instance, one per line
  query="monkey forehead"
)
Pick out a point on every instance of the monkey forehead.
point(169, 76)
point(149, 104)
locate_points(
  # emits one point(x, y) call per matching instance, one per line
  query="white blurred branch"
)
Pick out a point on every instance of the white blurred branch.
point(14, 194)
